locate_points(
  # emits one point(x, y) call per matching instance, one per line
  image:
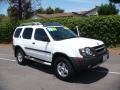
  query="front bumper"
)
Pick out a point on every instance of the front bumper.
point(88, 62)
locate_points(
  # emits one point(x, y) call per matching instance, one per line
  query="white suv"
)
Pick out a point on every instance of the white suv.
point(56, 45)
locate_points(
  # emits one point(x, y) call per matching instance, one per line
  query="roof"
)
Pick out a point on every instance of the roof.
point(55, 15)
point(96, 8)
point(69, 14)
point(86, 12)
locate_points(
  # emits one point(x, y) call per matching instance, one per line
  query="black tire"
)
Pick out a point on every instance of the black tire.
point(69, 67)
point(19, 53)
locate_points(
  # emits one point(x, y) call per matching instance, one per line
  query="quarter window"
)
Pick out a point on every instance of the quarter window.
point(27, 33)
point(17, 32)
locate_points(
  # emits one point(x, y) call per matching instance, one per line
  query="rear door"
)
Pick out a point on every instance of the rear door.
point(27, 40)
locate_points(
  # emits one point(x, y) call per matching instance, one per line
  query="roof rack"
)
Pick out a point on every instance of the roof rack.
point(52, 24)
point(48, 24)
point(30, 23)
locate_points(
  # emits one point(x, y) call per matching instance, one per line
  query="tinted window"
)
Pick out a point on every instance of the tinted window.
point(17, 32)
point(27, 33)
point(41, 35)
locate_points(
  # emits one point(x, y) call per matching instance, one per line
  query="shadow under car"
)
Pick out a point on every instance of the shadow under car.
point(84, 76)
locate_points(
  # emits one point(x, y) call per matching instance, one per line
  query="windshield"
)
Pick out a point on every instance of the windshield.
point(60, 33)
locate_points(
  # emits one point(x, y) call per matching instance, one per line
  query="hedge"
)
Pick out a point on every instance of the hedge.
point(105, 28)
point(6, 30)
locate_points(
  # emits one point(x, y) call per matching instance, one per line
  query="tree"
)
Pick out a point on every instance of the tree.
point(58, 10)
point(49, 10)
point(2, 15)
point(27, 9)
point(23, 7)
point(115, 1)
point(19, 8)
point(41, 10)
point(13, 13)
point(107, 9)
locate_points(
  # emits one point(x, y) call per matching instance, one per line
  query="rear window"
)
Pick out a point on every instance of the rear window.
point(17, 32)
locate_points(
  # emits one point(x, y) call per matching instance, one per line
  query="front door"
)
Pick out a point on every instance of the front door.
point(41, 43)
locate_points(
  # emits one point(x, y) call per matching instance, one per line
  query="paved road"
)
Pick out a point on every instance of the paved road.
point(39, 77)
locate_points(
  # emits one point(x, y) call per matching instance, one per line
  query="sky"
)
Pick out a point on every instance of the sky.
point(67, 5)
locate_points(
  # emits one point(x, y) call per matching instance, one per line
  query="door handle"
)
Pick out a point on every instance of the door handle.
point(33, 43)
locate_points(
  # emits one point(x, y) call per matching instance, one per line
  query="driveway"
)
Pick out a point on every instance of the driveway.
point(35, 76)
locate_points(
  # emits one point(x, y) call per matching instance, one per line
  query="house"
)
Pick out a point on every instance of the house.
point(91, 12)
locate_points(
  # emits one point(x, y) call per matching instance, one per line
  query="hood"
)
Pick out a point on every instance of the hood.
point(79, 42)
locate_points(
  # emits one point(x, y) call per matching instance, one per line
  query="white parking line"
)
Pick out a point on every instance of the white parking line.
point(110, 72)
point(6, 54)
point(8, 59)
point(116, 73)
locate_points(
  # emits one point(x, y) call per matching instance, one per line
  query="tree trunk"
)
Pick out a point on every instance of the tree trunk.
point(20, 9)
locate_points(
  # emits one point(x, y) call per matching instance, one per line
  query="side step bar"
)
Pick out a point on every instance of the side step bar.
point(38, 60)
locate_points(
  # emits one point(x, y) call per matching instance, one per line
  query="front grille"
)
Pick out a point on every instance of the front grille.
point(100, 50)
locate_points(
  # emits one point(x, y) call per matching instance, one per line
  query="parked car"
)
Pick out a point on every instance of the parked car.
point(55, 45)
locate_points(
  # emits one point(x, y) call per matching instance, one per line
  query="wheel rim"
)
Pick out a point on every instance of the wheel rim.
point(62, 69)
point(20, 57)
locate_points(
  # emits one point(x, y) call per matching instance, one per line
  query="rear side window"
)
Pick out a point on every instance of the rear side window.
point(27, 33)
point(17, 32)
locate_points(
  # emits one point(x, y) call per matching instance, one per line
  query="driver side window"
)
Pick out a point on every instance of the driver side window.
point(41, 35)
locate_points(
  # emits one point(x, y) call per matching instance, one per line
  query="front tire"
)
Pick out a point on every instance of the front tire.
point(63, 69)
point(20, 56)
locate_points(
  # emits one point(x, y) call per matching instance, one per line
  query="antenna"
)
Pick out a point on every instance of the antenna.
point(77, 30)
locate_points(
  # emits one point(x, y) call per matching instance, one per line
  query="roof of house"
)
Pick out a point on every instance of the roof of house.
point(70, 14)
point(86, 12)
point(55, 15)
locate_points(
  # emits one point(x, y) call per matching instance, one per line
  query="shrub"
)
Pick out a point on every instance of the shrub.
point(6, 30)
point(105, 28)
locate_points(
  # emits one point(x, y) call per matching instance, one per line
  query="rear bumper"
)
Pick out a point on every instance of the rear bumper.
point(88, 62)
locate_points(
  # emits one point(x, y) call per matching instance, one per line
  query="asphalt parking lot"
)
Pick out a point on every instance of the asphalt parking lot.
point(39, 77)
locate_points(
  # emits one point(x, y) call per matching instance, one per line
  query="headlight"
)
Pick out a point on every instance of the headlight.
point(87, 52)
